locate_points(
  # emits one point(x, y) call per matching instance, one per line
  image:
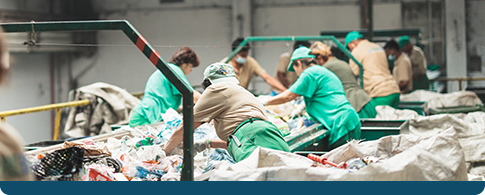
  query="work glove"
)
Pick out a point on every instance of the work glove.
point(298, 111)
point(263, 101)
point(201, 145)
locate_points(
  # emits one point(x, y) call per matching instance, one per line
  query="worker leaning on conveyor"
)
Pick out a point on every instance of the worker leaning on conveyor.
point(246, 66)
point(13, 165)
point(238, 117)
point(282, 74)
point(160, 93)
point(378, 81)
point(324, 98)
point(418, 61)
point(357, 97)
point(402, 71)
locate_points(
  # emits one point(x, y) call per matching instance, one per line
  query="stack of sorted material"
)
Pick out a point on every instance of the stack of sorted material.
point(399, 158)
point(470, 130)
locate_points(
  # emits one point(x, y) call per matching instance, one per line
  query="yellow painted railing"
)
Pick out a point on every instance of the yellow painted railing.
point(57, 107)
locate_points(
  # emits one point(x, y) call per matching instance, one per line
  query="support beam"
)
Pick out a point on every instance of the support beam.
point(241, 17)
point(456, 49)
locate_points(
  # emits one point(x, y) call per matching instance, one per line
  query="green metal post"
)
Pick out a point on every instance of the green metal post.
point(145, 48)
point(298, 38)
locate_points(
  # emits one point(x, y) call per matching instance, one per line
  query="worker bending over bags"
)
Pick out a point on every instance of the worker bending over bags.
point(238, 117)
point(160, 93)
point(324, 98)
point(357, 97)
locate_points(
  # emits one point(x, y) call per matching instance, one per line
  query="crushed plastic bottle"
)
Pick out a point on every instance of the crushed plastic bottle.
point(355, 164)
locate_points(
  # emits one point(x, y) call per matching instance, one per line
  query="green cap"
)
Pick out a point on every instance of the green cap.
point(220, 72)
point(351, 36)
point(302, 52)
point(404, 40)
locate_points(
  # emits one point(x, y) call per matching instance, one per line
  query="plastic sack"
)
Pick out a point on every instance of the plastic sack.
point(401, 158)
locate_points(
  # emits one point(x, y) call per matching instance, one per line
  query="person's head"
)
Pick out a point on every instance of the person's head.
point(219, 73)
point(4, 61)
point(392, 49)
point(186, 59)
point(405, 44)
point(352, 39)
point(242, 56)
point(300, 60)
point(299, 44)
point(321, 51)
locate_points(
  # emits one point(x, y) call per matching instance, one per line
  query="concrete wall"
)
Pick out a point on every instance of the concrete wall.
point(28, 86)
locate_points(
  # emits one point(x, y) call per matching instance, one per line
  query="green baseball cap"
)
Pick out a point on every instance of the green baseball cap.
point(351, 36)
point(404, 40)
point(220, 72)
point(302, 52)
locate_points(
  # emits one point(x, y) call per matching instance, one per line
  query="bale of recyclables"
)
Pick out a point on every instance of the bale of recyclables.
point(401, 158)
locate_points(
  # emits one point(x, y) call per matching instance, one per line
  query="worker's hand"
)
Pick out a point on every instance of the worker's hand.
point(298, 111)
point(263, 101)
point(201, 145)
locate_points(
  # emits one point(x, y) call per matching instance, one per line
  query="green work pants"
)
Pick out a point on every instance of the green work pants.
point(354, 134)
point(390, 100)
point(421, 82)
point(253, 133)
point(368, 111)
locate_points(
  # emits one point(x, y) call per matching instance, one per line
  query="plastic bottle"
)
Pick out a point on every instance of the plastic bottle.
point(148, 141)
point(355, 164)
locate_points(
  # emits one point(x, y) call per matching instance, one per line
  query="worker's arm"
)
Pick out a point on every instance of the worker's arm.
point(177, 138)
point(217, 143)
point(355, 67)
point(403, 84)
point(272, 81)
point(196, 96)
point(283, 80)
point(284, 97)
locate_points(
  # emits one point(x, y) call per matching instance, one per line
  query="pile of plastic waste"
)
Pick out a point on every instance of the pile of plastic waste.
point(138, 157)
point(280, 115)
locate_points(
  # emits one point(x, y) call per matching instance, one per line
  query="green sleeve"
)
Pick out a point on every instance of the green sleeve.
point(304, 85)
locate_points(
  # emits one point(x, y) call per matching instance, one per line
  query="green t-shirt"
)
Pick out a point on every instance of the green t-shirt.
point(325, 101)
point(160, 95)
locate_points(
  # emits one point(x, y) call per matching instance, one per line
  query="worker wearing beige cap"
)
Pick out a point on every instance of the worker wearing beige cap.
point(378, 81)
point(357, 97)
point(239, 118)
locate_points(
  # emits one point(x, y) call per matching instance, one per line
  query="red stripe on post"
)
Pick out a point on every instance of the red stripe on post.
point(140, 43)
point(154, 57)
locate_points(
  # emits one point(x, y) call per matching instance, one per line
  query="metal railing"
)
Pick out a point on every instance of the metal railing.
point(299, 38)
point(459, 79)
point(58, 107)
point(147, 50)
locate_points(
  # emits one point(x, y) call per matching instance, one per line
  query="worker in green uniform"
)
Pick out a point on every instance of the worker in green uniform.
point(324, 98)
point(357, 97)
point(239, 118)
point(160, 94)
